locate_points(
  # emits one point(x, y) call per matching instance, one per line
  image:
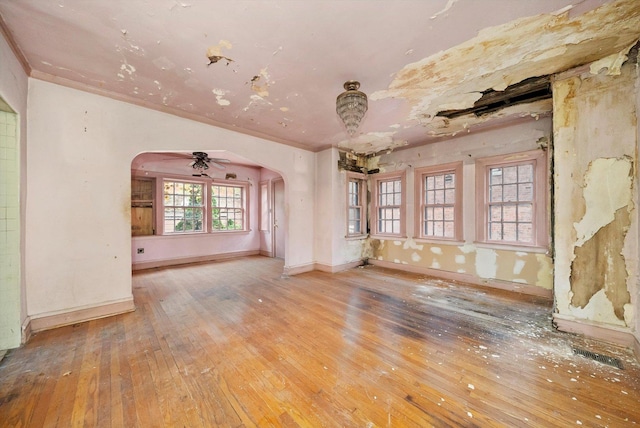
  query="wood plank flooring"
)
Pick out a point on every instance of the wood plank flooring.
point(233, 344)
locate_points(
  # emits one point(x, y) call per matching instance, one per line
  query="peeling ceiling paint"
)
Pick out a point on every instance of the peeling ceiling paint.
point(209, 60)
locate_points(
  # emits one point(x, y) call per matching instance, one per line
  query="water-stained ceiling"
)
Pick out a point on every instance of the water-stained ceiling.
point(274, 68)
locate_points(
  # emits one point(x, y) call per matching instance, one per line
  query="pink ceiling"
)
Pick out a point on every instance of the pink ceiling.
point(283, 62)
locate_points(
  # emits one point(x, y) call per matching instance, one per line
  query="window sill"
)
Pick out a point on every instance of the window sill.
point(355, 237)
point(443, 241)
point(512, 247)
point(389, 237)
point(193, 234)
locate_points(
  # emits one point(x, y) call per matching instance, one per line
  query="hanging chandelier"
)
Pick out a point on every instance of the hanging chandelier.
point(351, 105)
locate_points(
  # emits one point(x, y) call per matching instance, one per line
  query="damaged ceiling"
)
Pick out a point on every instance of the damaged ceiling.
point(274, 68)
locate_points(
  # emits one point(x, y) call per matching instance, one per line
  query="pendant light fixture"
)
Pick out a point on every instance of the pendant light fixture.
point(351, 105)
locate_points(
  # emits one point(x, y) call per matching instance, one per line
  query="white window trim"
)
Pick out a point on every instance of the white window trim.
point(375, 181)
point(230, 183)
point(362, 189)
point(207, 230)
point(540, 221)
point(420, 174)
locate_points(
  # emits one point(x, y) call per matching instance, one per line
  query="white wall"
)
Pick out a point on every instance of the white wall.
point(13, 309)
point(333, 250)
point(80, 151)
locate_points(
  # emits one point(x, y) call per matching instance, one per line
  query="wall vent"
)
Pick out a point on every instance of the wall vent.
point(604, 359)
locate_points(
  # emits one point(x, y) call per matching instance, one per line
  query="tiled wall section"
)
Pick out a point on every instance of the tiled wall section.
point(9, 233)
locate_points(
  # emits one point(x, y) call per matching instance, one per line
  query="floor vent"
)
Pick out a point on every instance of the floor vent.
point(604, 359)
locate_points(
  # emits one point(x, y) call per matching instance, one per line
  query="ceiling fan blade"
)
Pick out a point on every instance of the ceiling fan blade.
point(220, 160)
point(217, 165)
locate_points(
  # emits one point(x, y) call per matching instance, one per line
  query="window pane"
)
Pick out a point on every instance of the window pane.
point(525, 173)
point(431, 198)
point(495, 194)
point(510, 175)
point(509, 212)
point(495, 213)
point(439, 196)
point(525, 192)
point(525, 232)
point(439, 181)
point(525, 213)
point(449, 213)
point(450, 181)
point(510, 193)
point(495, 231)
point(509, 232)
point(496, 176)
point(450, 196)
point(449, 229)
point(438, 213)
point(438, 228)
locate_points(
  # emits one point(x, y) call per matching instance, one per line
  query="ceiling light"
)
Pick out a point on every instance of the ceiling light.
point(351, 105)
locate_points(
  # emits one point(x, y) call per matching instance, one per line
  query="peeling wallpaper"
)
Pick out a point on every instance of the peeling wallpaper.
point(595, 130)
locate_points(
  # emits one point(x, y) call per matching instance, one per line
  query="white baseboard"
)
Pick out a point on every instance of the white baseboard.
point(49, 321)
point(338, 268)
point(186, 260)
point(295, 270)
point(469, 279)
point(606, 333)
point(26, 331)
point(266, 253)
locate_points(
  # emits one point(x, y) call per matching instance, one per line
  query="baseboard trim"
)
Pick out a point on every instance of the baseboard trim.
point(296, 270)
point(338, 268)
point(266, 253)
point(198, 259)
point(59, 319)
point(636, 347)
point(469, 279)
point(26, 331)
point(606, 333)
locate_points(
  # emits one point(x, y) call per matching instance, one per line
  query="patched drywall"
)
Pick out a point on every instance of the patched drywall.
point(469, 262)
point(596, 220)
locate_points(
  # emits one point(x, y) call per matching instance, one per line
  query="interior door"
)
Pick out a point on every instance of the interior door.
point(279, 219)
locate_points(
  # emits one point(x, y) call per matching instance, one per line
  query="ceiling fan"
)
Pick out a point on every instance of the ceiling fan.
point(201, 162)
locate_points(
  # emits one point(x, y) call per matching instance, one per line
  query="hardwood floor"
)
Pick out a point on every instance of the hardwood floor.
point(235, 344)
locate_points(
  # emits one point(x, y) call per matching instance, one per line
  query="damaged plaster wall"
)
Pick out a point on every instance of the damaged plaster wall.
point(466, 260)
point(595, 135)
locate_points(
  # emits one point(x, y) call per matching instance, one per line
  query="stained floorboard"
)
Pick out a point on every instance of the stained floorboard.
point(236, 344)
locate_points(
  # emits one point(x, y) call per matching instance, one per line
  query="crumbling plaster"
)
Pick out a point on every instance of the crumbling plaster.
point(595, 164)
point(506, 54)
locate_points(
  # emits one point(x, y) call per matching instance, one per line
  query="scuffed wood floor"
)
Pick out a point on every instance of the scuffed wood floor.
point(234, 344)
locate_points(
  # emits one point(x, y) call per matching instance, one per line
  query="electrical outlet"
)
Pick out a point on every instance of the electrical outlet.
point(140, 250)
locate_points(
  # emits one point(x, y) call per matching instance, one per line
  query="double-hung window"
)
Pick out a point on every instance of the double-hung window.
point(356, 205)
point(388, 204)
point(512, 199)
point(183, 206)
point(439, 201)
point(198, 207)
point(227, 207)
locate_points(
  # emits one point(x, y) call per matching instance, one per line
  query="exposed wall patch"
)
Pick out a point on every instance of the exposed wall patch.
point(214, 53)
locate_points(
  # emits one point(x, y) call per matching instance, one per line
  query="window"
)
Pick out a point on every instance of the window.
point(440, 201)
point(183, 207)
point(356, 205)
point(513, 199)
point(227, 207)
point(388, 202)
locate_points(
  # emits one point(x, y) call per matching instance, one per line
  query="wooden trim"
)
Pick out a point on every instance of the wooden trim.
point(8, 36)
point(636, 347)
point(197, 259)
point(266, 253)
point(373, 215)
point(338, 268)
point(361, 181)
point(607, 333)
point(26, 330)
point(469, 279)
point(419, 202)
point(54, 320)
